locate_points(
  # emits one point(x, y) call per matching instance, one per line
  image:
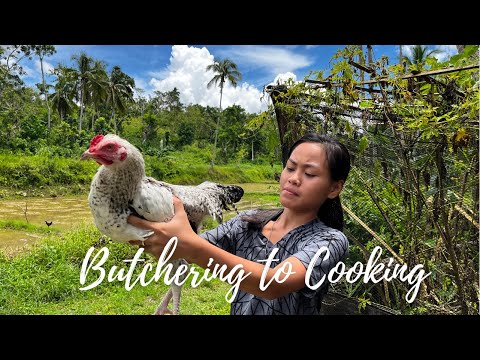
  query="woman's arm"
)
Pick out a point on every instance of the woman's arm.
point(196, 250)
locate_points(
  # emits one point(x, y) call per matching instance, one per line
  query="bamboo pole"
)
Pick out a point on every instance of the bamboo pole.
point(385, 79)
point(378, 238)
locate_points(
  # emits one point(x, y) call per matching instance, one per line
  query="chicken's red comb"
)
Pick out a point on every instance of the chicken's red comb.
point(96, 140)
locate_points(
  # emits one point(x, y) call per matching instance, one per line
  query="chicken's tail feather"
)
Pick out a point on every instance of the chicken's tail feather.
point(231, 195)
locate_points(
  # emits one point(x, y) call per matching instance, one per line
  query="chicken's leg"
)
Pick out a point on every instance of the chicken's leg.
point(163, 307)
point(175, 291)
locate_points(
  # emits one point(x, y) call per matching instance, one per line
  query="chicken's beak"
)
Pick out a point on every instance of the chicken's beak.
point(86, 155)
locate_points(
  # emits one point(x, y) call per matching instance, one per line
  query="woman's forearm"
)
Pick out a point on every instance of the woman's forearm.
point(203, 252)
point(196, 249)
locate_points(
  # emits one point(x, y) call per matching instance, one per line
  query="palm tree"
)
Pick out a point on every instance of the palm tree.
point(120, 89)
point(400, 56)
point(10, 68)
point(419, 55)
point(225, 70)
point(84, 74)
point(371, 65)
point(98, 88)
point(62, 98)
point(41, 51)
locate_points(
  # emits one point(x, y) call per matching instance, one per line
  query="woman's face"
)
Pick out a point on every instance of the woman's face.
point(305, 182)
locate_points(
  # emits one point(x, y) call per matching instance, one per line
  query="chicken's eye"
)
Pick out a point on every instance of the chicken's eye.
point(110, 146)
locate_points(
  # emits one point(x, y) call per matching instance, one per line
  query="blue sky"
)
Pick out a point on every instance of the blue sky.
point(163, 67)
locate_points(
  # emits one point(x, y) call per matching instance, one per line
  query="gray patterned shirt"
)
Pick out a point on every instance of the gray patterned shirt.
point(238, 238)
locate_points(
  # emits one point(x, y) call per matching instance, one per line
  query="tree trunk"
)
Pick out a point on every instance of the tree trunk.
point(45, 93)
point(460, 48)
point(216, 129)
point(370, 64)
point(400, 55)
point(442, 207)
point(113, 113)
point(81, 111)
point(284, 121)
point(252, 151)
point(114, 121)
point(369, 55)
point(361, 61)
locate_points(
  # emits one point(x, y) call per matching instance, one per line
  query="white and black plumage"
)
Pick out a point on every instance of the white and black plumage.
point(120, 188)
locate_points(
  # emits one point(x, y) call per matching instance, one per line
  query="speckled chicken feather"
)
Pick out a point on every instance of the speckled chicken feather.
point(122, 188)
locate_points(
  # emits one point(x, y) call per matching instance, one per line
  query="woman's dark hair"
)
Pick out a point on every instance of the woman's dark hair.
point(338, 159)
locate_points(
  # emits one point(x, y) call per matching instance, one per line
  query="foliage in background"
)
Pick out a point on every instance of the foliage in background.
point(87, 99)
point(414, 145)
point(43, 175)
point(415, 179)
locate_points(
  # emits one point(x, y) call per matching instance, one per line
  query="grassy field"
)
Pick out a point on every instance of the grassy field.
point(44, 278)
point(42, 176)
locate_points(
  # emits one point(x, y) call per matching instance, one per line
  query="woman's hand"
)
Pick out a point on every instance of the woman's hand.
point(178, 226)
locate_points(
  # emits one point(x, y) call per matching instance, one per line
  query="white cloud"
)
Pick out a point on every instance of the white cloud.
point(282, 78)
point(47, 67)
point(140, 84)
point(29, 72)
point(407, 50)
point(187, 72)
point(158, 74)
point(275, 59)
point(444, 51)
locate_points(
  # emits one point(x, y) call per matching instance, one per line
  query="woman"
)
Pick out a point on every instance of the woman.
point(311, 218)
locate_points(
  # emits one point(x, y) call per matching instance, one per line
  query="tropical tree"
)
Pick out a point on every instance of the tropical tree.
point(41, 51)
point(420, 53)
point(83, 74)
point(173, 108)
point(140, 102)
point(120, 90)
point(225, 70)
point(65, 91)
point(156, 102)
point(171, 100)
point(98, 89)
point(229, 137)
point(10, 57)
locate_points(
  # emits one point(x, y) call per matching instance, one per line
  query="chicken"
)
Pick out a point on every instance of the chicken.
point(121, 188)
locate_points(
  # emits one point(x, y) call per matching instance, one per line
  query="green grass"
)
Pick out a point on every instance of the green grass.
point(40, 175)
point(262, 198)
point(24, 171)
point(24, 226)
point(45, 277)
point(141, 300)
point(179, 168)
point(46, 280)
